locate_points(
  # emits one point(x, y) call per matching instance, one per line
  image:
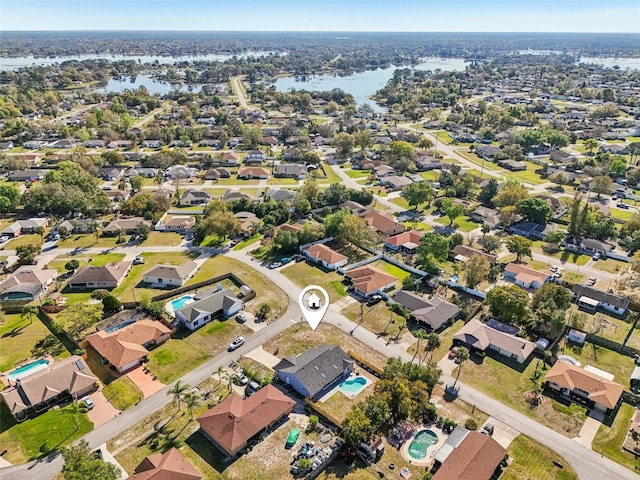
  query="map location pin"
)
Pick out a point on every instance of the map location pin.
point(313, 306)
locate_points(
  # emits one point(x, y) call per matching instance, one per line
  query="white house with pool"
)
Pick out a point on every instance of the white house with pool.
point(198, 310)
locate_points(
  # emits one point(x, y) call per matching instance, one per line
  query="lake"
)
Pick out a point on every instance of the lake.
point(610, 62)
point(363, 84)
point(19, 62)
point(153, 86)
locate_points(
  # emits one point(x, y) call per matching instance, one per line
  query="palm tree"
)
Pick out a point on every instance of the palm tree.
point(433, 342)
point(73, 410)
point(177, 391)
point(220, 371)
point(191, 400)
point(27, 312)
point(420, 335)
point(462, 355)
point(120, 235)
point(95, 228)
point(159, 179)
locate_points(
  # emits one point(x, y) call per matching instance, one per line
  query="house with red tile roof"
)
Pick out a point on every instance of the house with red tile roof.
point(526, 277)
point(234, 421)
point(408, 242)
point(476, 457)
point(368, 281)
point(329, 258)
point(253, 173)
point(170, 465)
point(382, 223)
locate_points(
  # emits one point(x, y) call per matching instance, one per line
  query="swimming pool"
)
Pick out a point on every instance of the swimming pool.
point(421, 443)
point(353, 386)
point(178, 303)
point(28, 369)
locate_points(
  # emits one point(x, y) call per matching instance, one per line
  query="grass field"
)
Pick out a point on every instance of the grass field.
point(22, 240)
point(88, 241)
point(122, 393)
point(609, 265)
point(378, 318)
point(246, 243)
point(19, 336)
point(169, 239)
point(397, 272)
point(332, 176)
point(282, 181)
point(461, 223)
point(96, 260)
point(621, 214)
point(40, 435)
point(446, 341)
point(533, 460)
point(236, 181)
point(609, 440)
point(357, 173)
point(303, 274)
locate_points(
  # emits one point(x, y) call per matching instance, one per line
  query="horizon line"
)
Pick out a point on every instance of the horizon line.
point(329, 31)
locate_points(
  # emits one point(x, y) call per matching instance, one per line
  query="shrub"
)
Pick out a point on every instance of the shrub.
point(100, 294)
point(111, 304)
point(471, 424)
point(313, 421)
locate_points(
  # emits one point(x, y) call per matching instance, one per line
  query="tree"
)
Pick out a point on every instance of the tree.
point(489, 191)
point(509, 303)
point(80, 463)
point(520, 246)
point(590, 144)
point(143, 230)
point(78, 317)
point(136, 183)
point(434, 244)
point(72, 265)
point(343, 142)
point(453, 211)
point(336, 194)
point(178, 390)
point(420, 334)
point(111, 304)
point(27, 253)
point(535, 209)
point(462, 355)
point(354, 230)
point(512, 192)
point(400, 155)
point(418, 193)
point(28, 311)
point(550, 304)
point(159, 179)
point(356, 427)
point(475, 270)
point(310, 191)
point(9, 198)
point(486, 228)
point(433, 343)
point(191, 400)
point(602, 184)
point(490, 243)
point(263, 310)
point(221, 223)
point(286, 241)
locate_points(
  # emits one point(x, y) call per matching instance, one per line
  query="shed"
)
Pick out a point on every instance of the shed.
point(635, 380)
point(577, 337)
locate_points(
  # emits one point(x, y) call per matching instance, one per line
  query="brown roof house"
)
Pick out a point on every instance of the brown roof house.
point(369, 281)
point(195, 197)
point(234, 421)
point(170, 275)
point(26, 283)
point(249, 223)
point(480, 336)
point(108, 276)
point(407, 242)
point(251, 173)
point(179, 224)
point(462, 253)
point(383, 224)
point(125, 348)
point(127, 225)
point(526, 277)
point(170, 465)
point(434, 313)
point(64, 380)
point(329, 258)
point(589, 386)
point(476, 457)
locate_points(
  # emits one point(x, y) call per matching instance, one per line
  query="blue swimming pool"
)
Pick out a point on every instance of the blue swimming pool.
point(421, 443)
point(353, 386)
point(28, 369)
point(178, 303)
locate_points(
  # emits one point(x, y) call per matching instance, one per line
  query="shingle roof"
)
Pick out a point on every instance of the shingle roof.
point(527, 274)
point(27, 278)
point(112, 272)
point(209, 302)
point(322, 252)
point(173, 272)
point(170, 465)
point(475, 458)
point(481, 336)
point(317, 367)
point(600, 390)
point(369, 279)
point(382, 223)
point(234, 421)
point(604, 297)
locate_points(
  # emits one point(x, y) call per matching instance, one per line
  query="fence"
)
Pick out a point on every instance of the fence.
point(67, 340)
point(366, 364)
point(178, 291)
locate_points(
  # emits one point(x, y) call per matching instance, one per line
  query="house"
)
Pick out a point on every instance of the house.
point(254, 157)
point(487, 152)
point(232, 423)
point(253, 173)
point(120, 144)
point(6, 145)
point(383, 223)
point(479, 336)
point(235, 195)
point(206, 306)
point(78, 225)
point(117, 196)
point(591, 299)
point(151, 143)
point(180, 171)
point(61, 382)
point(407, 242)
point(173, 275)
point(588, 246)
point(210, 143)
point(126, 225)
point(382, 171)
point(145, 172)
point(356, 208)
point(316, 371)
point(525, 276)
point(368, 281)
point(513, 165)
point(94, 143)
point(395, 182)
point(531, 230)
point(108, 276)
point(164, 466)
point(27, 175)
point(475, 457)
point(269, 140)
point(34, 144)
point(230, 159)
point(179, 224)
point(462, 253)
point(287, 227)
point(110, 173)
point(24, 227)
point(490, 216)
point(424, 164)
point(26, 283)
point(195, 197)
point(127, 347)
point(217, 173)
point(588, 386)
point(320, 253)
point(63, 143)
point(434, 313)
point(249, 223)
point(280, 195)
point(288, 170)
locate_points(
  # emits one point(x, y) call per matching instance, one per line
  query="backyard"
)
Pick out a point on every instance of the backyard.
point(377, 318)
point(303, 274)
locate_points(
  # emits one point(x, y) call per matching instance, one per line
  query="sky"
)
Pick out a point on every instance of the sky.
point(606, 16)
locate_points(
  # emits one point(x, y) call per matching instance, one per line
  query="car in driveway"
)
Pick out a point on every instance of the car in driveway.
point(88, 402)
point(596, 256)
point(487, 429)
point(240, 379)
point(274, 265)
point(241, 318)
point(452, 353)
point(591, 282)
point(237, 343)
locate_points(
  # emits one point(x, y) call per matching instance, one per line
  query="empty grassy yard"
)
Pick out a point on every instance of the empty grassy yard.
point(609, 440)
point(122, 393)
point(303, 274)
point(533, 460)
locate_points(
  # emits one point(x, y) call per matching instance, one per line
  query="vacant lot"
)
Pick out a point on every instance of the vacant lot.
point(446, 341)
point(170, 239)
point(533, 460)
point(378, 318)
point(96, 260)
point(609, 439)
point(122, 393)
point(31, 239)
point(304, 274)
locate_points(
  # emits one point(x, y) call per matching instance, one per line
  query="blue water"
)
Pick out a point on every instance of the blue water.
point(28, 369)
point(421, 443)
point(353, 386)
point(178, 303)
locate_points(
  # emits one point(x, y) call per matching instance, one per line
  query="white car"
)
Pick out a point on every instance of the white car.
point(88, 402)
point(4, 239)
point(237, 343)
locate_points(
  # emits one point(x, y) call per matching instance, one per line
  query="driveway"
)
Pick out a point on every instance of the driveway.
point(145, 381)
point(102, 411)
point(502, 433)
point(265, 358)
point(590, 428)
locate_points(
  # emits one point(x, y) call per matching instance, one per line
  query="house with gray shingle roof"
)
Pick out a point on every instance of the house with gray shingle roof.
point(195, 197)
point(173, 275)
point(207, 306)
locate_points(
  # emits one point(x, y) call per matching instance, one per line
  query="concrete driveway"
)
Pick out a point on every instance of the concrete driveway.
point(502, 433)
point(145, 381)
point(265, 358)
point(102, 411)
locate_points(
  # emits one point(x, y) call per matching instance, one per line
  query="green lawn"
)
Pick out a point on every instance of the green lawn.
point(38, 436)
point(332, 176)
point(122, 393)
point(236, 181)
point(609, 440)
point(357, 173)
point(391, 269)
point(22, 240)
point(96, 260)
point(282, 181)
point(303, 274)
point(534, 460)
point(379, 318)
point(431, 175)
point(461, 223)
point(621, 214)
point(401, 202)
point(246, 243)
point(169, 239)
point(88, 241)
point(18, 337)
point(609, 265)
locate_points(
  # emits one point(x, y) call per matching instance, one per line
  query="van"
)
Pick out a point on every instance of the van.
point(252, 388)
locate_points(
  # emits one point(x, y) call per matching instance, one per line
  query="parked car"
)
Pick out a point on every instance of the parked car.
point(292, 438)
point(487, 429)
point(285, 260)
point(596, 256)
point(240, 379)
point(252, 388)
point(274, 265)
point(623, 206)
point(453, 352)
point(554, 269)
point(241, 318)
point(237, 343)
point(138, 260)
point(4, 238)
point(88, 402)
